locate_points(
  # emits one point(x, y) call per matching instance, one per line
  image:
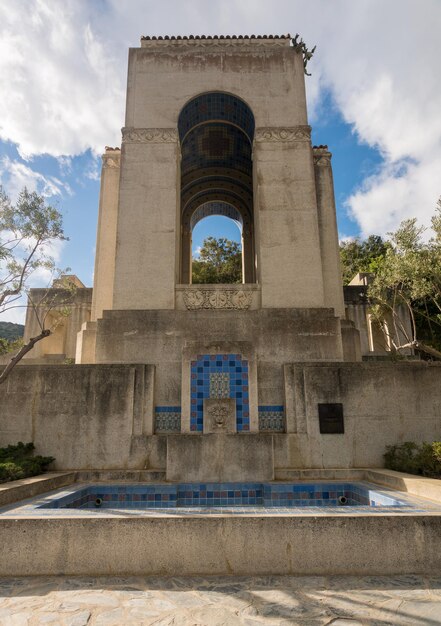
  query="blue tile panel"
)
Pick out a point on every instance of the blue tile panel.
point(267, 495)
point(272, 418)
point(167, 419)
point(224, 375)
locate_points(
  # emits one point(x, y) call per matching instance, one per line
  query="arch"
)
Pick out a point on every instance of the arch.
point(216, 131)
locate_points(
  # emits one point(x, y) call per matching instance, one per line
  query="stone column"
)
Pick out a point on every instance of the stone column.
point(106, 236)
point(146, 252)
point(290, 265)
point(332, 278)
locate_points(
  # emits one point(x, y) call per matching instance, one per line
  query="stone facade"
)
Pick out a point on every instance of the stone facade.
point(218, 382)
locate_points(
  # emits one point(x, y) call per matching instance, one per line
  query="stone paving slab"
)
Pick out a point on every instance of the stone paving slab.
point(221, 601)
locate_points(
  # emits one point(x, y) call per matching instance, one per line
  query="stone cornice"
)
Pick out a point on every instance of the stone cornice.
point(278, 134)
point(245, 44)
point(149, 135)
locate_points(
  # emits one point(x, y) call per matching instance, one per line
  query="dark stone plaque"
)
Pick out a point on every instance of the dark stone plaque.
point(331, 418)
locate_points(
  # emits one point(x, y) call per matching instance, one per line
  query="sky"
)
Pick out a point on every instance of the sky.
point(374, 97)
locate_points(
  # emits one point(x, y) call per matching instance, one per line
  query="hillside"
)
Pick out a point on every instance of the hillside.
point(11, 331)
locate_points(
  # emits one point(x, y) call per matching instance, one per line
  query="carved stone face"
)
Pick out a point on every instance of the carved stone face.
point(219, 415)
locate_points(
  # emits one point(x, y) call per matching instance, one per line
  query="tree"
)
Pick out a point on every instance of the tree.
point(362, 256)
point(408, 279)
point(26, 231)
point(220, 261)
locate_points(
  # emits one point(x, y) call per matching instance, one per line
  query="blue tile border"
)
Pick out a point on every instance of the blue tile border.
point(235, 384)
point(167, 419)
point(271, 418)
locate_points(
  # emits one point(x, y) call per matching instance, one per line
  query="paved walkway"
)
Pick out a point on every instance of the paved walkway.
point(219, 601)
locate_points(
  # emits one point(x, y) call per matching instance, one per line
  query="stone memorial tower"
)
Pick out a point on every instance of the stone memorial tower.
point(217, 125)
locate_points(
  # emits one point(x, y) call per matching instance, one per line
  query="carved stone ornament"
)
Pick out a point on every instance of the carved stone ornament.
point(149, 135)
point(296, 133)
point(111, 161)
point(322, 157)
point(217, 299)
point(219, 415)
point(216, 46)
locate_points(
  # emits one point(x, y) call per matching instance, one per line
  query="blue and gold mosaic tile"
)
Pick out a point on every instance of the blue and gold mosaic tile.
point(167, 419)
point(224, 376)
point(272, 418)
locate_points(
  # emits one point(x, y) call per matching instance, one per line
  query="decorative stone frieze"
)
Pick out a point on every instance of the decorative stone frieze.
point(149, 135)
point(217, 299)
point(295, 133)
point(212, 46)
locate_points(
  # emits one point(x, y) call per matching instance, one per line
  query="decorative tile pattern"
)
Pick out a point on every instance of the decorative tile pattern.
point(167, 419)
point(266, 495)
point(219, 385)
point(216, 106)
point(228, 365)
point(272, 418)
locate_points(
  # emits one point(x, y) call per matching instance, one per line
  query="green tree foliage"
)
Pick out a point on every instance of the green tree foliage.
point(19, 462)
point(11, 331)
point(27, 228)
point(408, 280)
point(220, 261)
point(413, 458)
point(362, 256)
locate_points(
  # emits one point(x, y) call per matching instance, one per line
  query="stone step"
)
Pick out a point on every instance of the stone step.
point(142, 476)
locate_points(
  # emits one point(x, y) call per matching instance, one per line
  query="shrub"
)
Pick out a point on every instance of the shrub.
point(423, 459)
point(18, 462)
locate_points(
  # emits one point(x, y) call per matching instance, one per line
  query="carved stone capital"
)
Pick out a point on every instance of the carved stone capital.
point(149, 135)
point(111, 159)
point(276, 133)
point(217, 299)
point(322, 157)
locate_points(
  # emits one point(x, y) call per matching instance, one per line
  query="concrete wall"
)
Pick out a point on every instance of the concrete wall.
point(227, 545)
point(383, 403)
point(85, 416)
point(100, 416)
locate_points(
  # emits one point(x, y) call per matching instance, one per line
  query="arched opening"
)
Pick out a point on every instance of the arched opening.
point(217, 247)
point(216, 131)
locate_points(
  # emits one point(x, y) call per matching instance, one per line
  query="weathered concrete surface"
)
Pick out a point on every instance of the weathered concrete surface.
point(278, 336)
point(101, 416)
point(29, 487)
point(356, 545)
point(219, 457)
point(85, 416)
point(383, 403)
point(222, 601)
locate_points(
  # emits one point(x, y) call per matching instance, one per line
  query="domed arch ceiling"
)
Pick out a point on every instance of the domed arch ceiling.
point(216, 131)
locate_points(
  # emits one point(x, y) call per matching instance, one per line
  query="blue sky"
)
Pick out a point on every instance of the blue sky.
point(374, 97)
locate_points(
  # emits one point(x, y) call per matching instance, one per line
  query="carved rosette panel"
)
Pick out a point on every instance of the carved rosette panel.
point(218, 299)
point(295, 133)
point(149, 135)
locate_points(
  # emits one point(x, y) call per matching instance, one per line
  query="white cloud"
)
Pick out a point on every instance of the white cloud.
point(63, 88)
point(15, 175)
point(63, 70)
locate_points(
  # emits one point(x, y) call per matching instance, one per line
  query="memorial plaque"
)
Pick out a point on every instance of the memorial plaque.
point(331, 418)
